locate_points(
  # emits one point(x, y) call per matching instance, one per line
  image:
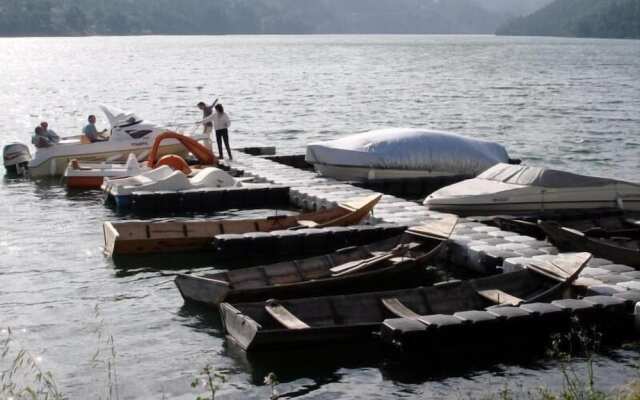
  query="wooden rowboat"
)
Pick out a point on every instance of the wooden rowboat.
point(274, 323)
point(622, 246)
point(140, 237)
point(388, 264)
point(614, 236)
point(602, 224)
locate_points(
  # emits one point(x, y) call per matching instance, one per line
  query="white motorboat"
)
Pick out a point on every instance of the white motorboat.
point(519, 189)
point(128, 134)
point(91, 175)
point(397, 153)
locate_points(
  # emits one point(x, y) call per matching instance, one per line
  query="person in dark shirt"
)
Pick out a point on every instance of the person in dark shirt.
point(49, 133)
point(40, 139)
point(206, 112)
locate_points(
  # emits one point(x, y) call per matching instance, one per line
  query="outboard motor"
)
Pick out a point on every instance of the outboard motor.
point(16, 158)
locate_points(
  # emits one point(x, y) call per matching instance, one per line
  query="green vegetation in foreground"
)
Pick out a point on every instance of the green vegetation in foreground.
point(581, 18)
point(22, 377)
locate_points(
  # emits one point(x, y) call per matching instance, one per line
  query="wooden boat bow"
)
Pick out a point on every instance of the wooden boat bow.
point(439, 229)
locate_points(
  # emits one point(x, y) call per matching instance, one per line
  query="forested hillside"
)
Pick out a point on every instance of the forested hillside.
point(78, 17)
point(582, 18)
point(512, 8)
point(601, 18)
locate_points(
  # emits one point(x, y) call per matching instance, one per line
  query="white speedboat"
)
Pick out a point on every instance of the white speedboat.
point(129, 134)
point(519, 189)
point(91, 175)
point(398, 153)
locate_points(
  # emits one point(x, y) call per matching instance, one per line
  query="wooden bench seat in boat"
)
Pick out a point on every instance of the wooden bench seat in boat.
point(398, 309)
point(284, 316)
point(307, 224)
point(360, 265)
point(499, 297)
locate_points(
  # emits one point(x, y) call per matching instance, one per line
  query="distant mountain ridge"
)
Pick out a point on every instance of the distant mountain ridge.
point(581, 18)
point(601, 18)
point(79, 17)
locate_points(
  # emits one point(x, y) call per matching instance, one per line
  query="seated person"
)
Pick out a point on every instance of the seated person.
point(49, 133)
point(91, 132)
point(40, 140)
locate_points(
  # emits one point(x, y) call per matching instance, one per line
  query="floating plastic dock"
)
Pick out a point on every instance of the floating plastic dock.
point(302, 242)
point(203, 200)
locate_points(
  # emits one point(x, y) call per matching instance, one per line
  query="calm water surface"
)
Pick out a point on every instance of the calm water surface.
point(570, 104)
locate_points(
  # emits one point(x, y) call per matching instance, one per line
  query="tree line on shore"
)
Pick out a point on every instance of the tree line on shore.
point(581, 18)
point(602, 18)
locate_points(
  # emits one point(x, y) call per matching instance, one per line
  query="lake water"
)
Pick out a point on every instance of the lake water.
point(565, 103)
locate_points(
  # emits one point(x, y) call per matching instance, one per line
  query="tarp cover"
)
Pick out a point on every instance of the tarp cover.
point(412, 149)
point(542, 177)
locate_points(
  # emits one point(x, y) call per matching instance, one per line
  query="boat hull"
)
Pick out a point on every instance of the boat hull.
point(568, 240)
point(84, 182)
point(347, 173)
point(247, 334)
point(172, 236)
point(402, 275)
point(193, 290)
point(532, 208)
point(57, 164)
point(114, 245)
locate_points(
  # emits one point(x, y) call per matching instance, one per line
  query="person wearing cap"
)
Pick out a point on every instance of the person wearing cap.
point(49, 133)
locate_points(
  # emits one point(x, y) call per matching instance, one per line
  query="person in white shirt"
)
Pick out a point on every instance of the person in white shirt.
point(221, 124)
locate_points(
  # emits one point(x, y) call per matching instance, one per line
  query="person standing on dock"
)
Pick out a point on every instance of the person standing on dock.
point(207, 111)
point(221, 123)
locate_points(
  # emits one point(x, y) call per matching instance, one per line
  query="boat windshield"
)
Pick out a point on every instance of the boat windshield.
point(125, 120)
point(542, 177)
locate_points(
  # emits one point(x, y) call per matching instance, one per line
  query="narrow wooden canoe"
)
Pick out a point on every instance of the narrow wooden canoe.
point(274, 323)
point(388, 264)
point(140, 237)
point(602, 224)
point(521, 226)
point(621, 247)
